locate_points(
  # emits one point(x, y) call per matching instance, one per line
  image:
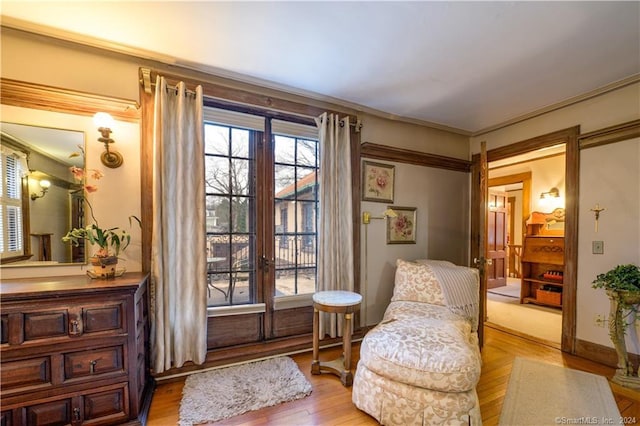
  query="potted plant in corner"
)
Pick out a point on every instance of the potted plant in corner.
point(110, 241)
point(622, 285)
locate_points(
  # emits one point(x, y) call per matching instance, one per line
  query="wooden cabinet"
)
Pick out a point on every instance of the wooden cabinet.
point(542, 270)
point(74, 351)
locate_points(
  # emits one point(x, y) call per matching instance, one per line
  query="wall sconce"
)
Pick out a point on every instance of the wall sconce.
point(553, 193)
point(109, 158)
point(366, 216)
point(44, 186)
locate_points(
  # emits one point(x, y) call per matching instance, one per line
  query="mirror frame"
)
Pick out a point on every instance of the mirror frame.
point(49, 98)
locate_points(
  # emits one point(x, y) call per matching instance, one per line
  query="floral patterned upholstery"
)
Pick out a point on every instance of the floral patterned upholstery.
point(416, 282)
point(421, 364)
point(397, 404)
point(426, 352)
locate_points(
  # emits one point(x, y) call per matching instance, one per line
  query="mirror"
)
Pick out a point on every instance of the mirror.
point(50, 123)
point(54, 198)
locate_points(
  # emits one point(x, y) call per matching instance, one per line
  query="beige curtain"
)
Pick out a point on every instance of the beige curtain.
point(335, 227)
point(178, 265)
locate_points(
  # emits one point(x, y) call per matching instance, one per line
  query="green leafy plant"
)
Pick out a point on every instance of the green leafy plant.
point(111, 241)
point(622, 277)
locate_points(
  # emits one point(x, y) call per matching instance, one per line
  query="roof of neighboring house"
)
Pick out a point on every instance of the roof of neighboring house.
point(307, 182)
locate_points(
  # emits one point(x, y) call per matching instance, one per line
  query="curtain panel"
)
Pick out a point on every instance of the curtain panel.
point(178, 264)
point(335, 224)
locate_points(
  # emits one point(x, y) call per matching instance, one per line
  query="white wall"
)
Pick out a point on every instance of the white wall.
point(615, 107)
point(610, 177)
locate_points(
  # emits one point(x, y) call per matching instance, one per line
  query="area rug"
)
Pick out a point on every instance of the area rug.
point(512, 289)
point(544, 394)
point(226, 392)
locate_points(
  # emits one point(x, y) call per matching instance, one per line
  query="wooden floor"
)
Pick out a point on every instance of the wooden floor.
point(330, 402)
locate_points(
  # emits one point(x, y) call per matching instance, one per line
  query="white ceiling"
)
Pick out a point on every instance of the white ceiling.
point(465, 65)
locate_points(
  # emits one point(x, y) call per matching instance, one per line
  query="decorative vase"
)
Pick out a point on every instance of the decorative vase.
point(104, 267)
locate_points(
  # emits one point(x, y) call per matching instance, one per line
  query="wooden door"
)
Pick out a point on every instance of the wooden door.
point(497, 239)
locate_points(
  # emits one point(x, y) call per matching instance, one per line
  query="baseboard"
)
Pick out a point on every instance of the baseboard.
point(601, 354)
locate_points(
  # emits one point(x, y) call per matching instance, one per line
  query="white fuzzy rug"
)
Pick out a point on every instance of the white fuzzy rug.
point(230, 391)
point(544, 394)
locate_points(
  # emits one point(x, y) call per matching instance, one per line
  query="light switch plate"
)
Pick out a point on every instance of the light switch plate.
point(597, 247)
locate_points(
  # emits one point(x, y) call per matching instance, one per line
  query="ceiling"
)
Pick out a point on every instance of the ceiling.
point(469, 66)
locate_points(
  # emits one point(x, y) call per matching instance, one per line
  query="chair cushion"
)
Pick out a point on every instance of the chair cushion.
point(416, 282)
point(411, 310)
point(431, 353)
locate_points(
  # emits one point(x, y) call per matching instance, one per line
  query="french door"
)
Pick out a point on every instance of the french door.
point(261, 179)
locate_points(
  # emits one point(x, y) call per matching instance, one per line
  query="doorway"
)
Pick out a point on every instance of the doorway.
point(508, 154)
point(509, 210)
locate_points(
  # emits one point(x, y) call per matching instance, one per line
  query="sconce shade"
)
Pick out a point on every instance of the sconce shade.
point(44, 187)
point(103, 120)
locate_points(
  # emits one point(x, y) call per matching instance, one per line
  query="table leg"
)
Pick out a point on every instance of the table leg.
point(347, 377)
point(315, 364)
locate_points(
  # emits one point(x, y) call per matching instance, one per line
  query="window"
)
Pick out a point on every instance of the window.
point(262, 202)
point(11, 216)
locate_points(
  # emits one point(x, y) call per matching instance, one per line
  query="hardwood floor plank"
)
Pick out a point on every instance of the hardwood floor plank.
point(330, 402)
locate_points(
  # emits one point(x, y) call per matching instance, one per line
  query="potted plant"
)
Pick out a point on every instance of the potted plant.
point(110, 241)
point(623, 280)
point(622, 285)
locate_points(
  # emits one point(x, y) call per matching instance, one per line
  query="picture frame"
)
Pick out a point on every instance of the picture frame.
point(377, 182)
point(401, 229)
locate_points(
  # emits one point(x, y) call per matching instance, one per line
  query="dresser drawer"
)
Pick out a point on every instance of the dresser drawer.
point(48, 322)
point(105, 405)
point(94, 362)
point(29, 374)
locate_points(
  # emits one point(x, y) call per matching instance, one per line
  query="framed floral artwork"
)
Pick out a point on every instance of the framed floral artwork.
point(401, 229)
point(377, 182)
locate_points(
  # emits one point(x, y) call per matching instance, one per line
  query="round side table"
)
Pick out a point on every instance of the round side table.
point(338, 302)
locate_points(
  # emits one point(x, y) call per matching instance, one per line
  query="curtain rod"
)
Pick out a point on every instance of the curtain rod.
point(146, 82)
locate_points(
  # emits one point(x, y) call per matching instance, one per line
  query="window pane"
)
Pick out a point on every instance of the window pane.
point(240, 176)
point(217, 175)
point(284, 182)
point(216, 139)
point(240, 143)
point(14, 225)
point(284, 149)
point(307, 154)
point(240, 220)
point(218, 214)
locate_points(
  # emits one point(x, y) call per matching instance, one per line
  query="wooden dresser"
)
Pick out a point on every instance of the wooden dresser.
point(75, 351)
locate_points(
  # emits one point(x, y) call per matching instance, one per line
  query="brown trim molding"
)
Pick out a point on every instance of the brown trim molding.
point(569, 137)
point(620, 132)
point(259, 98)
point(383, 152)
point(31, 95)
point(602, 354)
